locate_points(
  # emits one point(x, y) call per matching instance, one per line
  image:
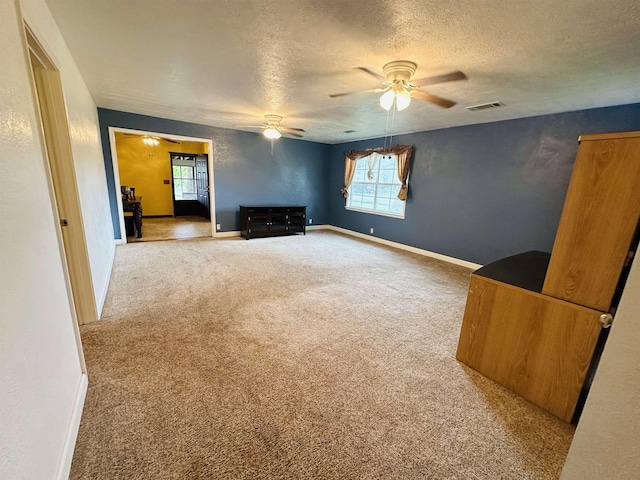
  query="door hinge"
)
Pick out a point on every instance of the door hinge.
point(64, 222)
point(629, 258)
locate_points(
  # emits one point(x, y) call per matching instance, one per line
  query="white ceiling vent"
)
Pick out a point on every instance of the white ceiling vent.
point(484, 106)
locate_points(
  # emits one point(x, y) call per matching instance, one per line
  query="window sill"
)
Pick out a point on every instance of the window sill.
point(375, 212)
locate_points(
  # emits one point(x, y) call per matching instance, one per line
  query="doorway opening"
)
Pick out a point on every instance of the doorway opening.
point(166, 185)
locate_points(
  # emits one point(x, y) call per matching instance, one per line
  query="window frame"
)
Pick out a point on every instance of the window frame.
point(376, 184)
point(181, 178)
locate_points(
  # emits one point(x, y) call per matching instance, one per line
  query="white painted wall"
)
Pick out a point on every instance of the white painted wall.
point(607, 441)
point(42, 384)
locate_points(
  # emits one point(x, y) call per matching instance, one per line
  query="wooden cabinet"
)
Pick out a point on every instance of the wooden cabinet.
point(532, 321)
point(269, 221)
point(598, 222)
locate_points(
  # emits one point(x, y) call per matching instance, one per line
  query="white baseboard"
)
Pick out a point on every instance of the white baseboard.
point(371, 238)
point(227, 234)
point(72, 433)
point(105, 288)
point(119, 241)
point(401, 246)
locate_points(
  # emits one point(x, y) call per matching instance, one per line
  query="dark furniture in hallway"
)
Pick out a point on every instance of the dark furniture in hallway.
point(134, 205)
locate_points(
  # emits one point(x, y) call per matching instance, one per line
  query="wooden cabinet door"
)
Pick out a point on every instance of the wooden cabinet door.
point(598, 221)
point(537, 346)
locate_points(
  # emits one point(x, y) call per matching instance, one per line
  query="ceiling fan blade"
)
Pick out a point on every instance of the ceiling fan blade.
point(257, 126)
point(291, 129)
point(445, 77)
point(334, 95)
point(291, 133)
point(375, 75)
point(427, 97)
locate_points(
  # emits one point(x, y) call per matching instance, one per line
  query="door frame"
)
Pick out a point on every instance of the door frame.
point(116, 171)
point(51, 112)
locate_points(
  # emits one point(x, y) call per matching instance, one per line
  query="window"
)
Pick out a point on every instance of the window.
point(375, 186)
point(184, 183)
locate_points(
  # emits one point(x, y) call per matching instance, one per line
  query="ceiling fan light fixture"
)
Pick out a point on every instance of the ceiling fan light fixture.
point(151, 141)
point(272, 133)
point(386, 100)
point(403, 99)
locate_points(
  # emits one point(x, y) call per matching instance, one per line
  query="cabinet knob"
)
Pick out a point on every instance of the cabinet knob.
point(606, 319)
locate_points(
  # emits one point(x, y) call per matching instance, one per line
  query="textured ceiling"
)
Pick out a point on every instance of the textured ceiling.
point(228, 62)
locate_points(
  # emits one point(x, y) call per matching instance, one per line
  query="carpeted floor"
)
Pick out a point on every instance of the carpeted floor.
point(317, 356)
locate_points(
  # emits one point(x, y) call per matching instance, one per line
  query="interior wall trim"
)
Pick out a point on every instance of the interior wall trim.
point(64, 468)
point(232, 233)
point(402, 246)
point(116, 173)
point(103, 294)
point(371, 238)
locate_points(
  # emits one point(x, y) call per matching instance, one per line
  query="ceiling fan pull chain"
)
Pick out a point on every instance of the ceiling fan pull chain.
point(386, 129)
point(393, 117)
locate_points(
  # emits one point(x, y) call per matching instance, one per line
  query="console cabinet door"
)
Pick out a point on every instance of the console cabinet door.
point(297, 221)
point(537, 346)
point(257, 224)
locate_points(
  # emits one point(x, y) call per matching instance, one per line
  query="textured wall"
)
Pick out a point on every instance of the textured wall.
point(40, 367)
point(244, 170)
point(146, 167)
point(483, 192)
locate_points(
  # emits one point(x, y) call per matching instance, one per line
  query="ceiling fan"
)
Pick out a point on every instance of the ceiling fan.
point(398, 87)
point(273, 129)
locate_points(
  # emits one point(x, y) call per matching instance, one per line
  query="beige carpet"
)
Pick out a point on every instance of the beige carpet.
point(316, 356)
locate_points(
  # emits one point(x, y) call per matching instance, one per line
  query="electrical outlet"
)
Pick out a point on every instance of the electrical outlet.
point(371, 230)
point(310, 221)
point(217, 226)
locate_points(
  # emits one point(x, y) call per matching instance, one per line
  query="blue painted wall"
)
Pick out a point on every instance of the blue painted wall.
point(485, 191)
point(478, 193)
point(244, 171)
